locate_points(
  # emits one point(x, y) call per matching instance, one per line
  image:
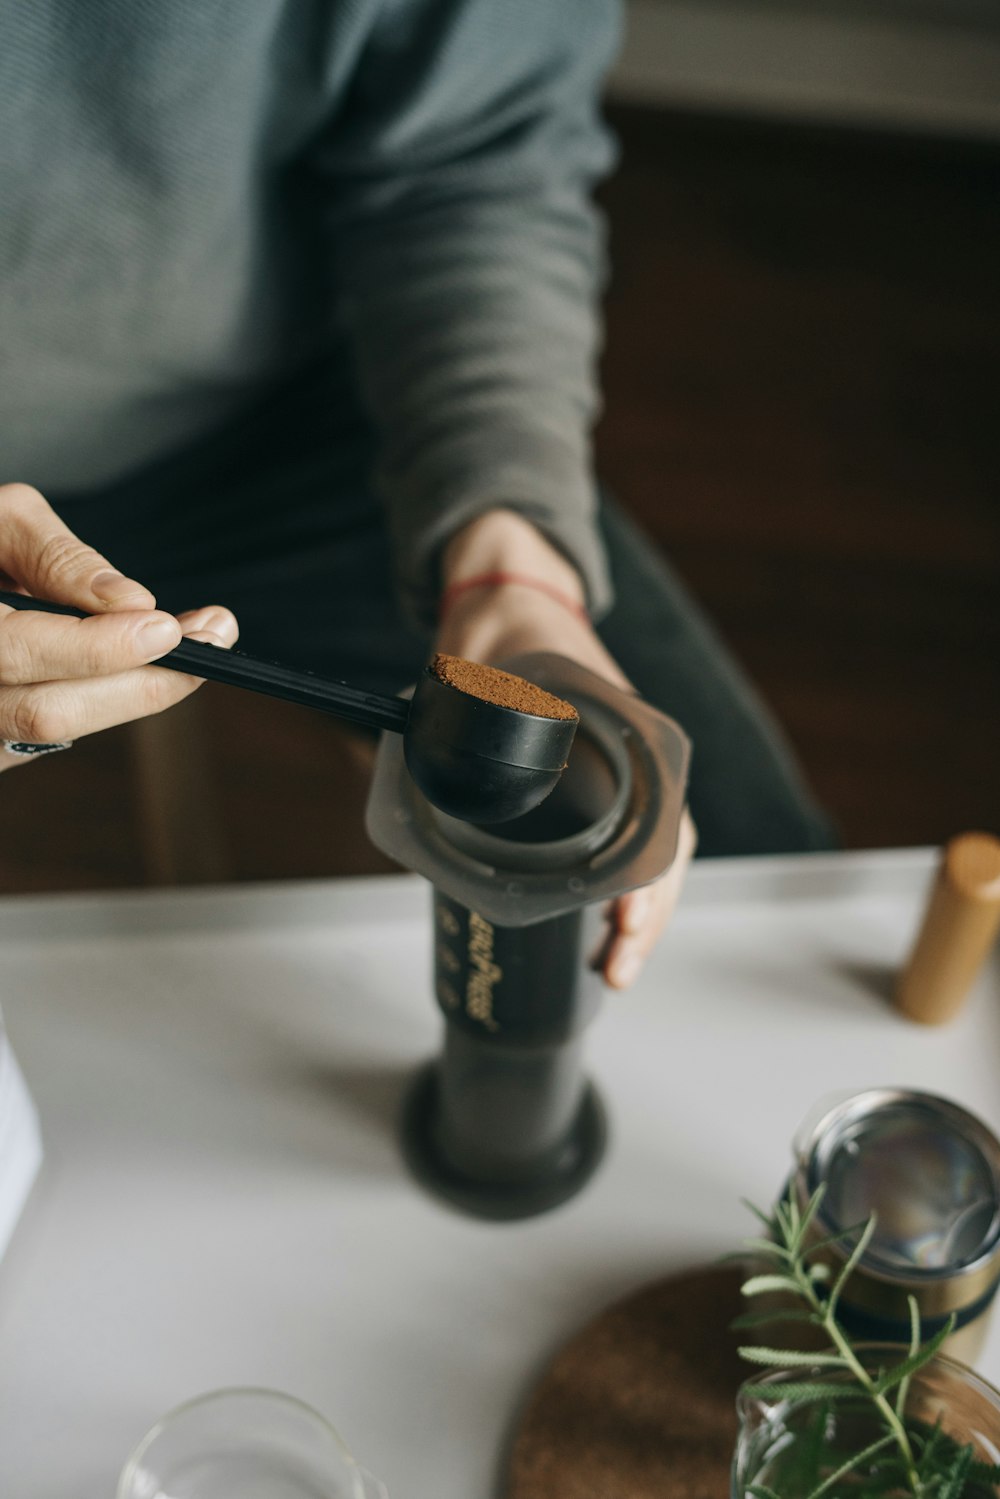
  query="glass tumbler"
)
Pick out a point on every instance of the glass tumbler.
point(244, 1444)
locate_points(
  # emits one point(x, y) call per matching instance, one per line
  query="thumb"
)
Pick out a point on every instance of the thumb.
point(44, 557)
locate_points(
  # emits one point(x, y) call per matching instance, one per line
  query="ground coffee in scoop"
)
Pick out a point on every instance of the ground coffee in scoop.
point(502, 688)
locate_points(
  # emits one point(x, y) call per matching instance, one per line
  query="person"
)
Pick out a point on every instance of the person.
point(299, 315)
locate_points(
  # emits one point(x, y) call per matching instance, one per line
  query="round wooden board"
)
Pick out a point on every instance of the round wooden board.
point(640, 1404)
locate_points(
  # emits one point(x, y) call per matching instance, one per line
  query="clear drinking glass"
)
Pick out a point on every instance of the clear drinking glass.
point(777, 1439)
point(244, 1444)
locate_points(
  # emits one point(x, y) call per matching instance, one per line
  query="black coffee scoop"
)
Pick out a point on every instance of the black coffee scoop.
point(481, 744)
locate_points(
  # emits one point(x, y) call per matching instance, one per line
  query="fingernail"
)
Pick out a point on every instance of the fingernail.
point(113, 587)
point(157, 636)
point(625, 969)
point(207, 637)
point(219, 623)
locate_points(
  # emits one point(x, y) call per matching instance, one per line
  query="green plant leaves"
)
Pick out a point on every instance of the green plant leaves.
point(915, 1361)
point(954, 1479)
point(852, 1260)
point(852, 1465)
point(798, 1393)
point(765, 1246)
point(788, 1358)
point(779, 1314)
point(922, 1461)
point(758, 1284)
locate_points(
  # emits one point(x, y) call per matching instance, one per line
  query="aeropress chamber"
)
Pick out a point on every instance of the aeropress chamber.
point(504, 1123)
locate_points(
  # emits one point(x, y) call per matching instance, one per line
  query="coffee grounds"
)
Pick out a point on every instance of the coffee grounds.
point(502, 688)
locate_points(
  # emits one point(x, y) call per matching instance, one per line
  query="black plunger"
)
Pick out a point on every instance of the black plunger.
point(472, 758)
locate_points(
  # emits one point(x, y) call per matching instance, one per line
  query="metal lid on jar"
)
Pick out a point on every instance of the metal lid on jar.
point(928, 1170)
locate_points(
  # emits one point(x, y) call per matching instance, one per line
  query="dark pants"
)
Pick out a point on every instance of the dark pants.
point(274, 516)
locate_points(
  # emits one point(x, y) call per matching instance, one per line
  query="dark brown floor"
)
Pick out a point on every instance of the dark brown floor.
point(802, 386)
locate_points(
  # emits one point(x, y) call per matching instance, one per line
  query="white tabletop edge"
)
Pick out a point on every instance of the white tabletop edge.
point(295, 903)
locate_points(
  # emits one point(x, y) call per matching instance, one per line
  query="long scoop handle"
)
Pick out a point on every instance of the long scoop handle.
point(237, 669)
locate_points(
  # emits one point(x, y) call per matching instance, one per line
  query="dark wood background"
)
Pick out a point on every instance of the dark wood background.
point(802, 406)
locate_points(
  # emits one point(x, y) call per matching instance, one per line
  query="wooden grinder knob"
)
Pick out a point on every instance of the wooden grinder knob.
point(959, 925)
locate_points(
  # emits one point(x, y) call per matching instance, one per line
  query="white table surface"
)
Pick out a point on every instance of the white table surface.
point(218, 1074)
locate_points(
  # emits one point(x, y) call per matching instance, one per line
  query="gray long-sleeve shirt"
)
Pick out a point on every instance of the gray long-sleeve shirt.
point(199, 197)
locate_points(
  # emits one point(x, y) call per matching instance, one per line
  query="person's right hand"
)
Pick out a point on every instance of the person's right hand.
point(61, 678)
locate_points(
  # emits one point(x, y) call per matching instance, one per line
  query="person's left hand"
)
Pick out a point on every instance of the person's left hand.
point(492, 624)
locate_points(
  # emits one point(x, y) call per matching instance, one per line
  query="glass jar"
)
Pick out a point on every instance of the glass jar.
point(791, 1446)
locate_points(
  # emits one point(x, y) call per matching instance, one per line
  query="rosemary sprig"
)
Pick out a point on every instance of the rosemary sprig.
point(913, 1461)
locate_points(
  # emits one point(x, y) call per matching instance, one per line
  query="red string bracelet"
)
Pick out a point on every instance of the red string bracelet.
point(497, 580)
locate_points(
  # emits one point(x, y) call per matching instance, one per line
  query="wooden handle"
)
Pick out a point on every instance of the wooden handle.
point(960, 923)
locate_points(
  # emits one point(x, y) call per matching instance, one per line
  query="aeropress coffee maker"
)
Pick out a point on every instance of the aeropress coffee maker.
point(504, 1123)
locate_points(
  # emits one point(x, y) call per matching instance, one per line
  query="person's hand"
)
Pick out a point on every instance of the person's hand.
point(61, 678)
point(491, 624)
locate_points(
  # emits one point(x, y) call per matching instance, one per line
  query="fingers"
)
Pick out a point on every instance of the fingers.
point(217, 625)
point(62, 678)
point(213, 625)
point(43, 556)
point(639, 918)
point(52, 711)
point(36, 647)
point(46, 712)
